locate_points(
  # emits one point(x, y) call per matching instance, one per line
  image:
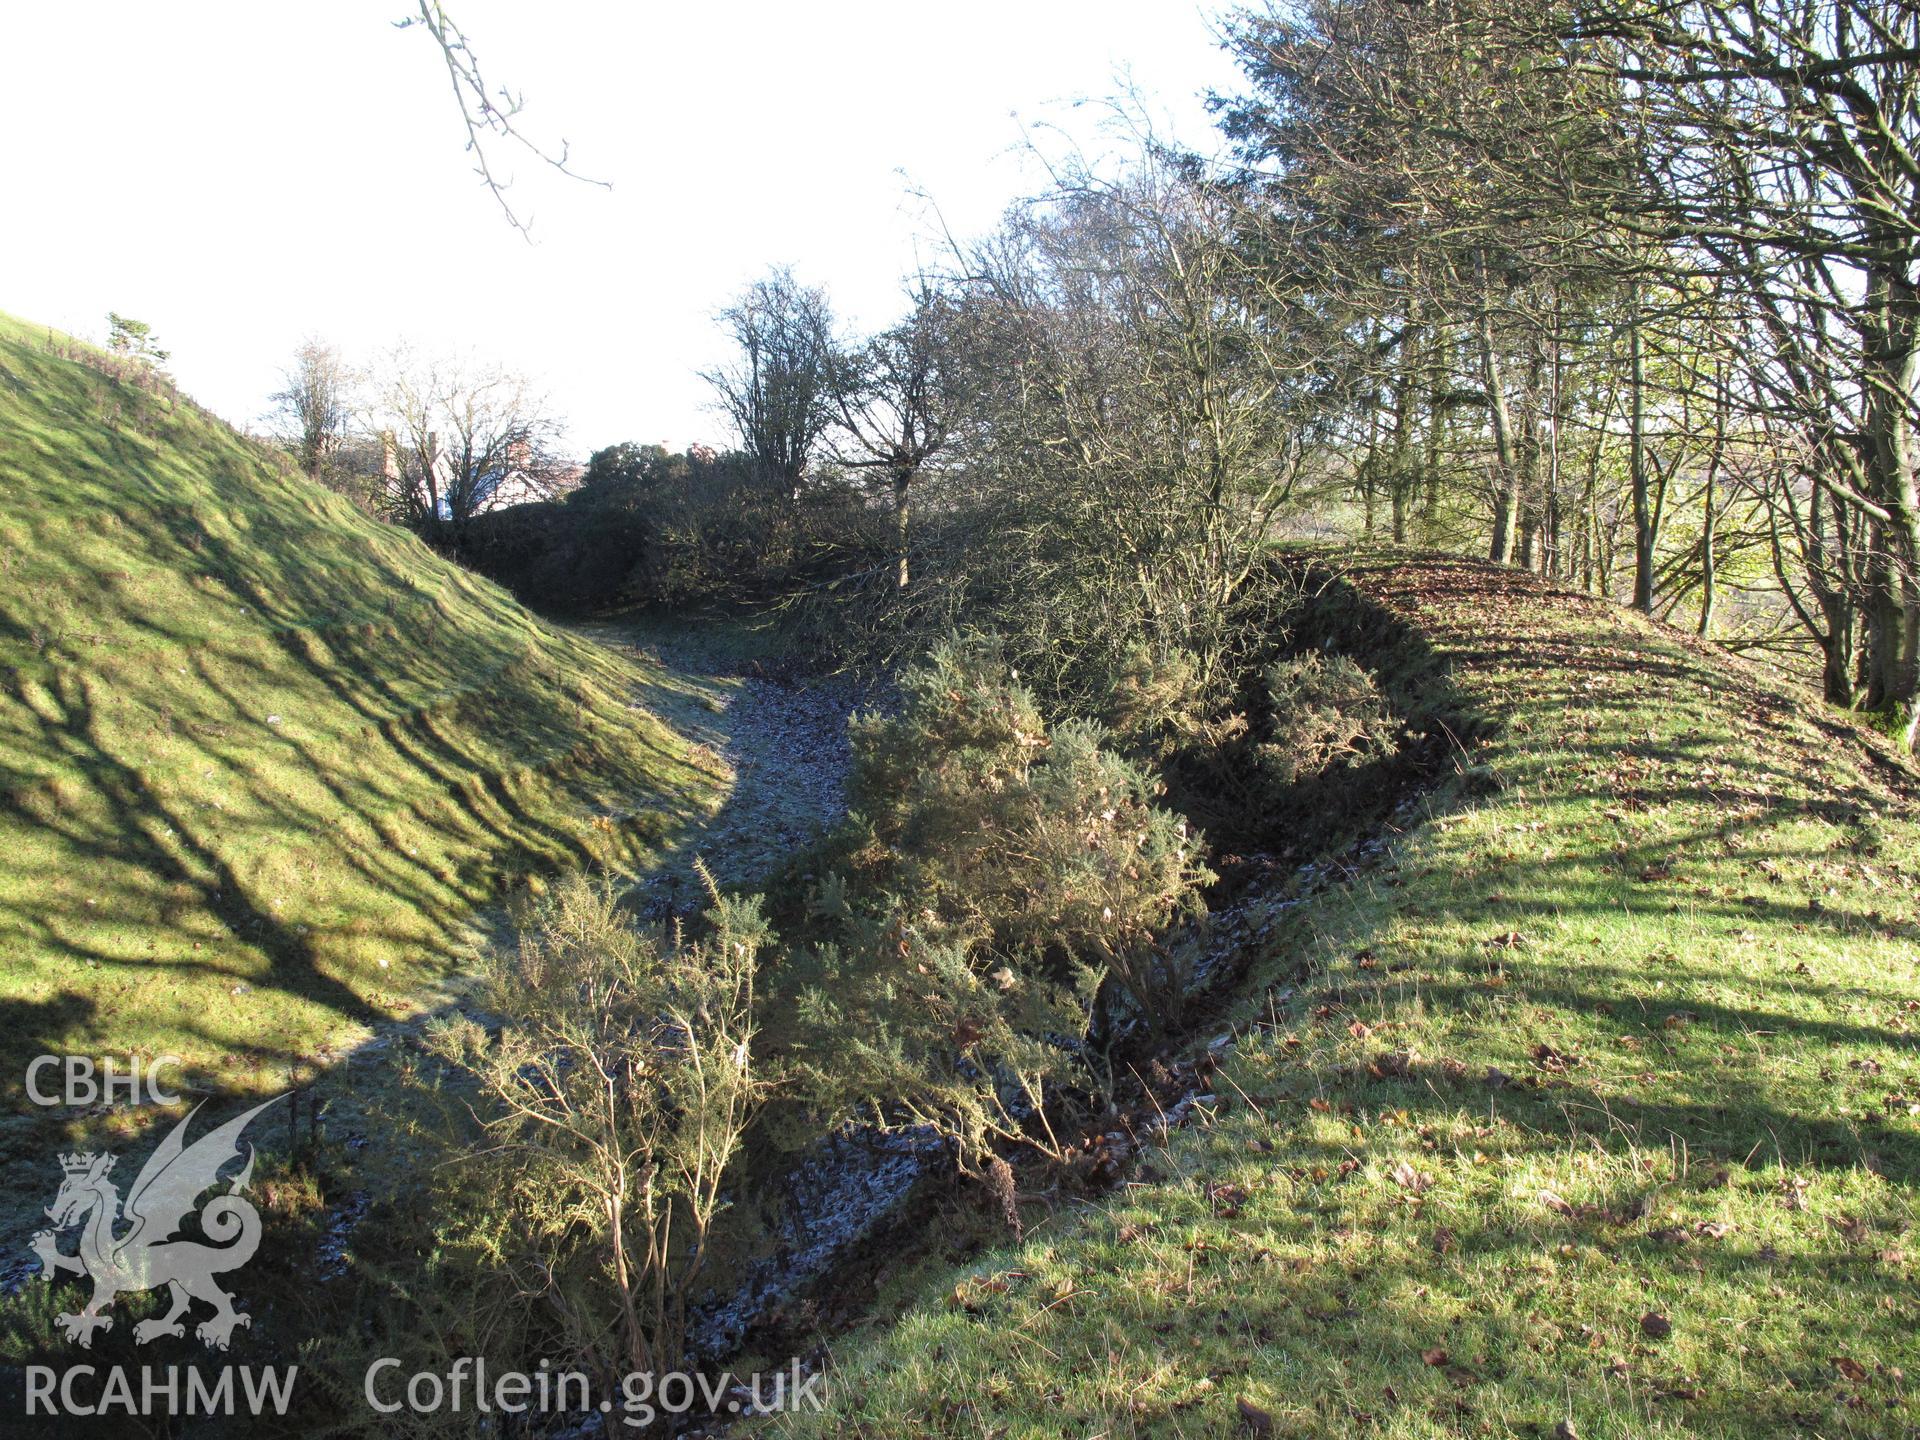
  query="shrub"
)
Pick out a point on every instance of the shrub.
point(647, 527)
point(1152, 698)
point(1039, 845)
point(1285, 758)
point(613, 1101)
point(916, 1028)
point(1326, 712)
point(992, 874)
point(1114, 870)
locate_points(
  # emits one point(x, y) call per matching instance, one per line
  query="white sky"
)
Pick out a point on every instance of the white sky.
point(242, 175)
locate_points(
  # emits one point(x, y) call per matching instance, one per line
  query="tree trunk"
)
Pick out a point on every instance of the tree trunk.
point(1836, 671)
point(1436, 435)
point(1892, 362)
point(902, 480)
point(1554, 561)
point(1400, 476)
point(1528, 455)
point(1506, 499)
point(1590, 525)
point(1709, 565)
point(1707, 569)
point(1643, 523)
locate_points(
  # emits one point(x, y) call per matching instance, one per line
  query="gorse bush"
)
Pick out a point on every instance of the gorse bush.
point(992, 876)
point(1041, 844)
point(1326, 712)
point(936, 789)
point(613, 1100)
point(1152, 698)
point(914, 1027)
point(1277, 763)
point(1116, 868)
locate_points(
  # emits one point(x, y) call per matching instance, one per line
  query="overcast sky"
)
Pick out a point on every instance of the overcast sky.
point(242, 175)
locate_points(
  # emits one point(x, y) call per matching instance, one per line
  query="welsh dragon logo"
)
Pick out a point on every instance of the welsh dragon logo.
point(147, 1254)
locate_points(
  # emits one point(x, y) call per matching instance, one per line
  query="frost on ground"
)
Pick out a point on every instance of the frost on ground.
point(782, 733)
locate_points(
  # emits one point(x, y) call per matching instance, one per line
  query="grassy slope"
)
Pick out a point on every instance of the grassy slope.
point(1632, 1035)
point(261, 758)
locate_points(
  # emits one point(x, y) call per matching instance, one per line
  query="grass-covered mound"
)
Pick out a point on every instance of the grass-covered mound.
point(1591, 1109)
point(261, 758)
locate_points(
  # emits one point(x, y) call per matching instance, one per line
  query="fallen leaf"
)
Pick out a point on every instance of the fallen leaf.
point(1391, 1066)
point(1656, 1325)
point(1227, 1200)
point(1257, 1421)
point(1554, 1203)
point(1554, 1060)
point(1435, 1357)
point(1849, 1368)
point(1408, 1178)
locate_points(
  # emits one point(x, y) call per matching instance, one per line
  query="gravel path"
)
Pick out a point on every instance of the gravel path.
point(782, 733)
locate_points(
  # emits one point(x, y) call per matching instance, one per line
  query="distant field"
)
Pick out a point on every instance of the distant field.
point(262, 759)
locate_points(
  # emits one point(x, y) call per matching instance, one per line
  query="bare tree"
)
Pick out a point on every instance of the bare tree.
point(1141, 402)
point(778, 391)
point(461, 437)
point(892, 405)
point(315, 405)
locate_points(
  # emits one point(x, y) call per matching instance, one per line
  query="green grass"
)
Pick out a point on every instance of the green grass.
point(264, 762)
point(1593, 1105)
